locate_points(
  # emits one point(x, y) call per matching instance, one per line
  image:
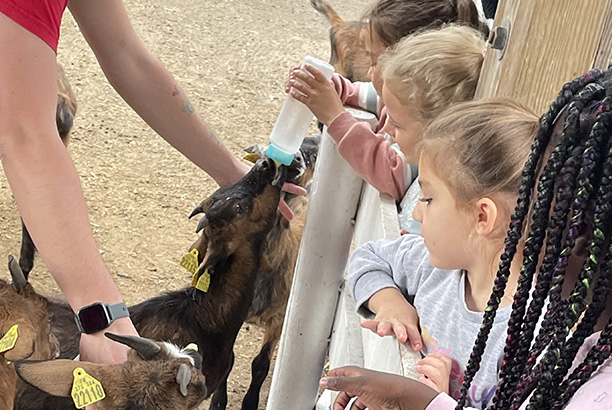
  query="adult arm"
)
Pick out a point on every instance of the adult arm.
point(45, 183)
point(149, 88)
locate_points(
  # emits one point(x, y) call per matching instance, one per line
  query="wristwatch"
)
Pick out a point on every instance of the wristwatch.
point(98, 316)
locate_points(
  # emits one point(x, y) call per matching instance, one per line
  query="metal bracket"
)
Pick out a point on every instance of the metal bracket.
point(499, 38)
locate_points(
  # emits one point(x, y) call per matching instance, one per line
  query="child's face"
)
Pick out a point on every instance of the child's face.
point(402, 125)
point(374, 48)
point(445, 228)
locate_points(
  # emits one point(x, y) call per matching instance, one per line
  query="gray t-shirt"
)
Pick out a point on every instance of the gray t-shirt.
point(447, 325)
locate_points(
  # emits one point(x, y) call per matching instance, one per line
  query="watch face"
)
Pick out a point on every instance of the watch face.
point(93, 318)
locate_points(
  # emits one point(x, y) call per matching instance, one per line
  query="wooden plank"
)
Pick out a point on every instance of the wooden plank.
point(550, 43)
point(604, 52)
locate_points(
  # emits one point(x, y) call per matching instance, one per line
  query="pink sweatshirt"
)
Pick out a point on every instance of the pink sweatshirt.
point(368, 152)
point(595, 394)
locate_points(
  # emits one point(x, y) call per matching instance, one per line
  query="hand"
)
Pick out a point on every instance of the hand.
point(283, 208)
point(99, 349)
point(436, 370)
point(317, 92)
point(394, 317)
point(376, 390)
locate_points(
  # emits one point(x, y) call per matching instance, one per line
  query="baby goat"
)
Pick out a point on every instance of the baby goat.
point(347, 40)
point(156, 376)
point(273, 282)
point(20, 305)
point(64, 118)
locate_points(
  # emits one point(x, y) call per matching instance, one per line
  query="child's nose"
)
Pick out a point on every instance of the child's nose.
point(388, 128)
point(417, 214)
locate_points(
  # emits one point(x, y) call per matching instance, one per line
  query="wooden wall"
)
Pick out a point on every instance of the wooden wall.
point(550, 43)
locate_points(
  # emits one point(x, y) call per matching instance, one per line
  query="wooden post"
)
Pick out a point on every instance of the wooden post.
point(550, 42)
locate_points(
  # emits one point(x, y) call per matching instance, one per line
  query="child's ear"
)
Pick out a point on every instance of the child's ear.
point(55, 377)
point(487, 215)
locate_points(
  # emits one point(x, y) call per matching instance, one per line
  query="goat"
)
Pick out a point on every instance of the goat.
point(64, 119)
point(273, 283)
point(147, 380)
point(236, 221)
point(20, 305)
point(347, 41)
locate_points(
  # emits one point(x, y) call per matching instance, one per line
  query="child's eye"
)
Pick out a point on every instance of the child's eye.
point(426, 200)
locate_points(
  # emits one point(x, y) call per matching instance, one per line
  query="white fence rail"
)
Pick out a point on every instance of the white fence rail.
point(320, 315)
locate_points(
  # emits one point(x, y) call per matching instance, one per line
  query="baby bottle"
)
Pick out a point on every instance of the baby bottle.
point(293, 121)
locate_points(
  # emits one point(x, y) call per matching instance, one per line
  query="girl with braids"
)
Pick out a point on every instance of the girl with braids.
point(470, 162)
point(565, 364)
point(445, 68)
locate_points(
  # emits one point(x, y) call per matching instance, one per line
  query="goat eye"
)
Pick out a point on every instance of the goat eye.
point(238, 209)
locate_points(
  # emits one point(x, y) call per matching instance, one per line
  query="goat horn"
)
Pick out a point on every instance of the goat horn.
point(197, 210)
point(19, 280)
point(146, 348)
point(183, 377)
point(202, 224)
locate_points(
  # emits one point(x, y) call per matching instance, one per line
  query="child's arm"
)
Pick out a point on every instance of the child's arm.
point(368, 153)
point(380, 273)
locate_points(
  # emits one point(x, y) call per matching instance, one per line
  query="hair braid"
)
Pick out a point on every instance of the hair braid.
point(512, 363)
point(568, 317)
point(601, 218)
point(516, 223)
point(596, 356)
point(525, 359)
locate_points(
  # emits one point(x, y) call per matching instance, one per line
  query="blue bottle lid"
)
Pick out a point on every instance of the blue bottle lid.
point(279, 155)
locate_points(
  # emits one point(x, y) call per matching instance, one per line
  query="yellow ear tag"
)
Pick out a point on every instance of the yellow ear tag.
point(203, 282)
point(192, 346)
point(190, 261)
point(86, 389)
point(9, 340)
point(251, 157)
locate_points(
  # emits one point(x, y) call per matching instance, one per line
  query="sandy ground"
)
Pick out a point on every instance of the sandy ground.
point(231, 57)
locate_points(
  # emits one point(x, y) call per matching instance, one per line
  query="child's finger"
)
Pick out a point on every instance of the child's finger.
point(429, 383)
point(305, 77)
point(316, 73)
point(300, 86)
point(297, 95)
point(430, 371)
point(400, 332)
point(369, 324)
point(384, 329)
point(416, 341)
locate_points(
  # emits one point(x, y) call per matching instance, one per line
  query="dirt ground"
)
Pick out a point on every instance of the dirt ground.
point(231, 57)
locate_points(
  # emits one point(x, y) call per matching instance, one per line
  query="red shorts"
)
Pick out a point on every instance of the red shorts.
point(40, 17)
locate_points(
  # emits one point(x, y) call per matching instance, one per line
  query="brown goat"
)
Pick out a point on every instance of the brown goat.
point(236, 222)
point(275, 276)
point(347, 40)
point(156, 376)
point(20, 305)
point(64, 119)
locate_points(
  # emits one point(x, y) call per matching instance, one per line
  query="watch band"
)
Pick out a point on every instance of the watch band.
point(117, 311)
point(98, 316)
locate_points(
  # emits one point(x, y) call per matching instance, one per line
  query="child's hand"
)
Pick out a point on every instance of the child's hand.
point(394, 317)
point(435, 370)
point(316, 92)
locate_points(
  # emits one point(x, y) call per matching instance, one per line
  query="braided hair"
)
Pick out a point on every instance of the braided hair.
point(573, 198)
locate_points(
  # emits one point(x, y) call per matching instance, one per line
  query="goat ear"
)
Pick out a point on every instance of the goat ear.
point(54, 377)
point(24, 346)
point(19, 280)
point(183, 377)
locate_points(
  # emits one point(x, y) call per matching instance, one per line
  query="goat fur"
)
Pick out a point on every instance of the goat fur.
point(347, 42)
